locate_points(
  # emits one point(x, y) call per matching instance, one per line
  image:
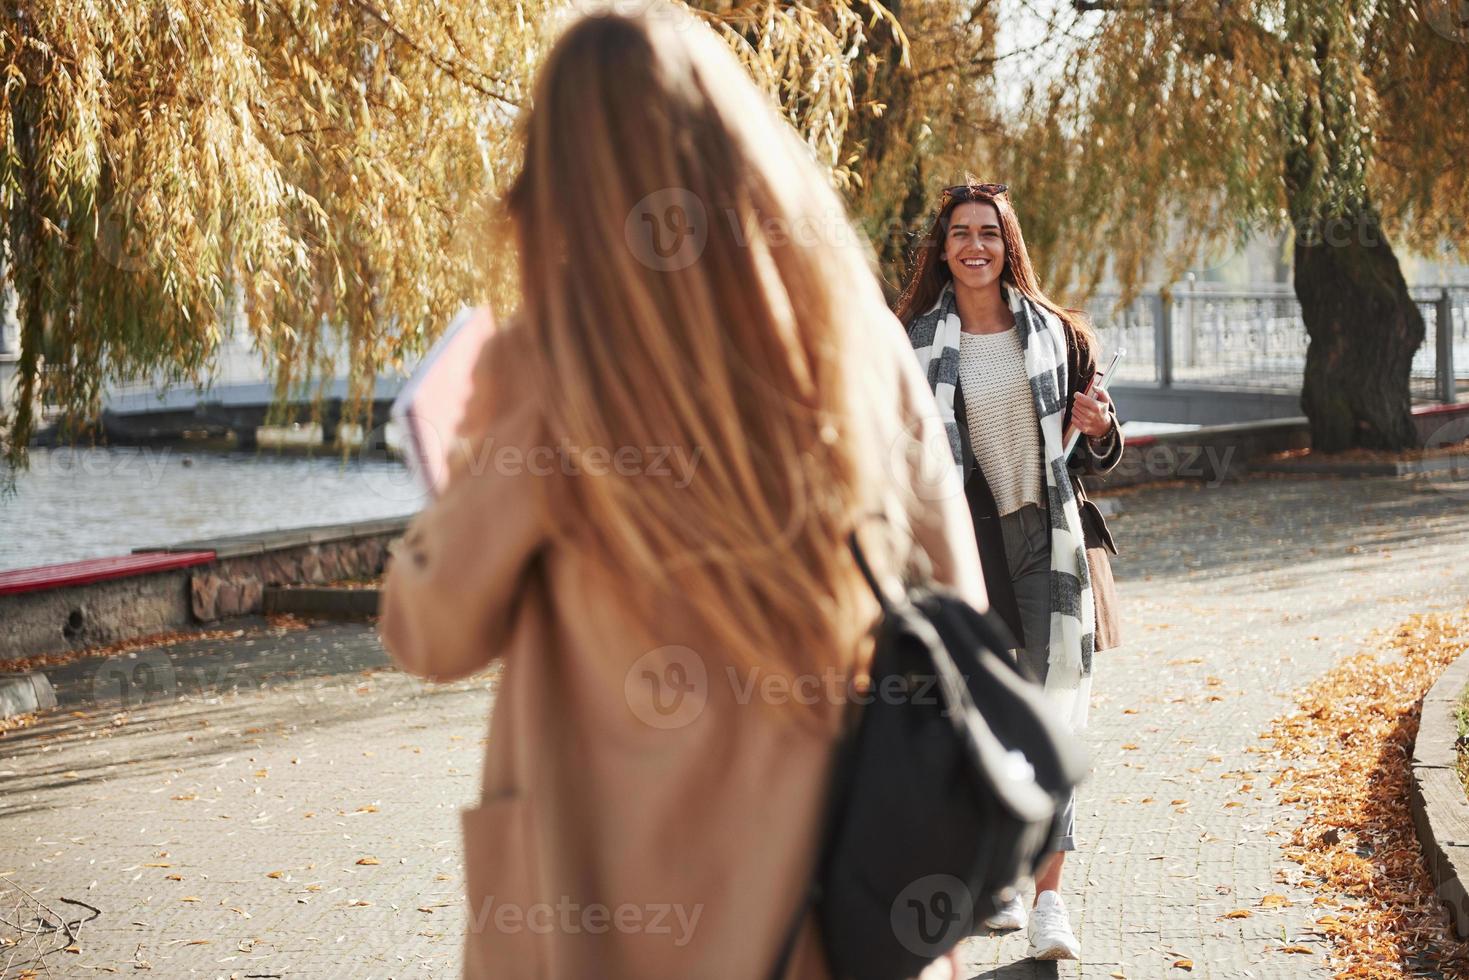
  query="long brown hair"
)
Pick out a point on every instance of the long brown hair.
point(691, 280)
point(928, 274)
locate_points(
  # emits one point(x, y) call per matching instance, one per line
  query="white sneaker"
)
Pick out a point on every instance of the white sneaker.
point(1051, 937)
point(1010, 916)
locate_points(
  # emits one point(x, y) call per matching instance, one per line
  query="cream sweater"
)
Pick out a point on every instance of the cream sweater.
point(1001, 415)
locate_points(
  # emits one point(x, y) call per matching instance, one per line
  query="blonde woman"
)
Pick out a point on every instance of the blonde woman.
point(676, 639)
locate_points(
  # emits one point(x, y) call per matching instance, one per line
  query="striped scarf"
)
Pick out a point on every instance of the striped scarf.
point(935, 339)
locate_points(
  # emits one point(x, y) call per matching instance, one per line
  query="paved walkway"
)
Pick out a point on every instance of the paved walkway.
point(281, 805)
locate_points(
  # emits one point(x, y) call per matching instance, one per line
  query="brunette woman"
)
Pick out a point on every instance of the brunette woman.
point(1009, 369)
point(649, 808)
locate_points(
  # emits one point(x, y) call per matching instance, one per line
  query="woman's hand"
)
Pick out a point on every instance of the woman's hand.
point(1092, 414)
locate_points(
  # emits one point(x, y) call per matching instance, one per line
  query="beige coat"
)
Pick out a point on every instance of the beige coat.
point(619, 835)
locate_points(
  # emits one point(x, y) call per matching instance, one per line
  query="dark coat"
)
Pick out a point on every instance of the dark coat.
point(1081, 367)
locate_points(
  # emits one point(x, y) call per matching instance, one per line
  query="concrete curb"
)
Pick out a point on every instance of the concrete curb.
point(262, 542)
point(73, 617)
point(322, 602)
point(1440, 807)
point(25, 692)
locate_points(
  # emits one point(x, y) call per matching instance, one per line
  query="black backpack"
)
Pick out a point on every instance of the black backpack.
point(945, 790)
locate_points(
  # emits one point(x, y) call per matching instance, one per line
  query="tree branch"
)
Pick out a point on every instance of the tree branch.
point(443, 64)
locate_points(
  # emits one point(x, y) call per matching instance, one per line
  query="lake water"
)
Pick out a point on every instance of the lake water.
point(87, 503)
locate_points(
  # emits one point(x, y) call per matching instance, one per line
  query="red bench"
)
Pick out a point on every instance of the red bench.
point(98, 570)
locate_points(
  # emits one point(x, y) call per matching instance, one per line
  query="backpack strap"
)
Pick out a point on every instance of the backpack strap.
point(793, 933)
point(882, 598)
point(840, 784)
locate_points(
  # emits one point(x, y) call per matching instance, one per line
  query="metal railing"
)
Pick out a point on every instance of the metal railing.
point(1255, 338)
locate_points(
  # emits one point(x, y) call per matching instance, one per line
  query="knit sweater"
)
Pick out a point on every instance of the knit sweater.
point(1001, 416)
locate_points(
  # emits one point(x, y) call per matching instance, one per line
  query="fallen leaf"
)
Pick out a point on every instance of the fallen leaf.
point(368, 860)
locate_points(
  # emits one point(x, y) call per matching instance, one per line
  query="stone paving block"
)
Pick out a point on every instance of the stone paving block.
point(1233, 598)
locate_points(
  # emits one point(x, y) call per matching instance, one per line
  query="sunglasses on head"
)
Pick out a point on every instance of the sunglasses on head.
point(966, 190)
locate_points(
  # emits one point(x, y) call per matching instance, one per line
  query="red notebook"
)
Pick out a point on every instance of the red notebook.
point(431, 404)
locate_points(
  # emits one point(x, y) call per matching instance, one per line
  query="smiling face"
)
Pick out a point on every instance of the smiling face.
point(973, 247)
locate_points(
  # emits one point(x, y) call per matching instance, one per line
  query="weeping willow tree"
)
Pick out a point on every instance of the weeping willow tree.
point(930, 119)
point(307, 169)
point(323, 174)
point(1334, 120)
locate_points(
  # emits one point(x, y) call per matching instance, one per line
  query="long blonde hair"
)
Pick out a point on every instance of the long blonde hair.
point(691, 281)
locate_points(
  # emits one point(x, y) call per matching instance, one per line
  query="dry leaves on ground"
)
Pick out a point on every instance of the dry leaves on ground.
point(1348, 749)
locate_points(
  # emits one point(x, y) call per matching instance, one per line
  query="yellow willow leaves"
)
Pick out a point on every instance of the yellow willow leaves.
point(1169, 133)
point(321, 176)
point(1352, 795)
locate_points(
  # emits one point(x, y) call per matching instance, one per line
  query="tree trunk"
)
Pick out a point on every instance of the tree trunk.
point(1364, 329)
